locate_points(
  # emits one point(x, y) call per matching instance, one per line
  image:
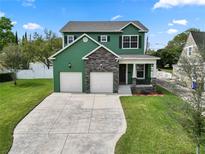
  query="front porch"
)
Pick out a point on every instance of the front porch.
point(137, 69)
point(143, 74)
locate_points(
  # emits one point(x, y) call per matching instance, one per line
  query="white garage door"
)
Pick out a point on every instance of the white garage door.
point(101, 82)
point(71, 82)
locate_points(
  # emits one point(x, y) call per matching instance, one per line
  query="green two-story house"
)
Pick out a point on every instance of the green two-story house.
point(98, 56)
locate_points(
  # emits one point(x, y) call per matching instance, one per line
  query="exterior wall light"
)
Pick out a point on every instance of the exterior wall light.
point(101, 66)
point(69, 65)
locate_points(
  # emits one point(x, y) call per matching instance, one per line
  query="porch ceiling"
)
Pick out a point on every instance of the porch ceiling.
point(137, 59)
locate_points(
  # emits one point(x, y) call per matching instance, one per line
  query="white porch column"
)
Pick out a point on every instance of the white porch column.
point(126, 73)
point(134, 75)
point(154, 70)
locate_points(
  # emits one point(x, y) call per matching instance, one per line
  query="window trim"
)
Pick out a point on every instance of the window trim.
point(141, 70)
point(187, 50)
point(130, 41)
point(101, 38)
point(68, 39)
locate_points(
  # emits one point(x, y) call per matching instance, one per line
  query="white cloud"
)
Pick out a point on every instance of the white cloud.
point(116, 17)
point(172, 3)
point(32, 26)
point(14, 23)
point(180, 22)
point(27, 3)
point(172, 31)
point(170, 24)
point(2, 14)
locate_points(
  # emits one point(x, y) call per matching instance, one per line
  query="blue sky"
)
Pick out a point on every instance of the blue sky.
point(164, 18)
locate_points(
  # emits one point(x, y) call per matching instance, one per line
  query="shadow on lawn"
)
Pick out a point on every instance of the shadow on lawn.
point(29, 84)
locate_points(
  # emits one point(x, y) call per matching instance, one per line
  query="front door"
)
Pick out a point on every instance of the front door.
point(122, 74)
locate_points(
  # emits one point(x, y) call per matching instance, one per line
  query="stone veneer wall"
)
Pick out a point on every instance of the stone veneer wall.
point(101, 61)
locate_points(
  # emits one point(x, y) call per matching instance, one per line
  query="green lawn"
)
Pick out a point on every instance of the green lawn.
point(16, 102)
point(154, 126)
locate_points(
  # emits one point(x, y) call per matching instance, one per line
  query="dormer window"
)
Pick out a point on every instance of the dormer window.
point(103, 38)
point(130, 41)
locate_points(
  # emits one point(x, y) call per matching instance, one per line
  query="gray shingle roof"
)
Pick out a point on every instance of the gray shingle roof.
point(99, 26)
point(199, 38)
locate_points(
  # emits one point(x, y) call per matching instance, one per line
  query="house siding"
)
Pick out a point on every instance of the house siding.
point(190, 42)
point(109, 64)
point(72, 55)
point(180, 75)
point(113, 44)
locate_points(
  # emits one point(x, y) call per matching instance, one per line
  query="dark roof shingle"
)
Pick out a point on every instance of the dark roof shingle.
point(99, 26)
point(199, 38)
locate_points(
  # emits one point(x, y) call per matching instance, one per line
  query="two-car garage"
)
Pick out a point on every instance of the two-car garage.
point(100, 82)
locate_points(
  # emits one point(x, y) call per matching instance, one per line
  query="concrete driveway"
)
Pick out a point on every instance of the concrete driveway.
point(71, 124)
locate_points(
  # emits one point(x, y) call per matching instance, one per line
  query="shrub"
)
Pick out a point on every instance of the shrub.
point(6, 77)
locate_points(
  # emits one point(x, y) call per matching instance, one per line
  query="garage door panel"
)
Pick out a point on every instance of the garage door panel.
point(101, 82)
point(71, 82)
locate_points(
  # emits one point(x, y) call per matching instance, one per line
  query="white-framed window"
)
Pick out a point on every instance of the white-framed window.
point(103, 38)
point(189, 50)
point(130, 41)
point(140, 71)
point(70, 38)
point(67, 39)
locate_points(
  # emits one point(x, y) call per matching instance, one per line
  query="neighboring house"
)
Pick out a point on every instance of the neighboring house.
point(97, 56)
point(194, 43)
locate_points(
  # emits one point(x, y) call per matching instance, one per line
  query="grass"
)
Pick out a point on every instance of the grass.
point(153, 126)
point(16, 102)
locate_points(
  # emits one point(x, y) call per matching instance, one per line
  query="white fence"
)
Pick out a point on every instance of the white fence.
point(164, 75)
point(36, 71)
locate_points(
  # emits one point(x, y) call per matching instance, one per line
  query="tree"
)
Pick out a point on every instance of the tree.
point(16, 38)
point(25, 35)
point(6, 35)
point(193, 68)
point(28, 53)
point(11, 58)
point(46, 46)
point(168, 56)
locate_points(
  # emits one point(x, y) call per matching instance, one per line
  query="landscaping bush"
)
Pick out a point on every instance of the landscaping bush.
point(6, 77)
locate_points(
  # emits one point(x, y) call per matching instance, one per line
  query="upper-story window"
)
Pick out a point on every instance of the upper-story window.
point(130, 41)
point(189, 51)
point(68, 39)
point(103, 38)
